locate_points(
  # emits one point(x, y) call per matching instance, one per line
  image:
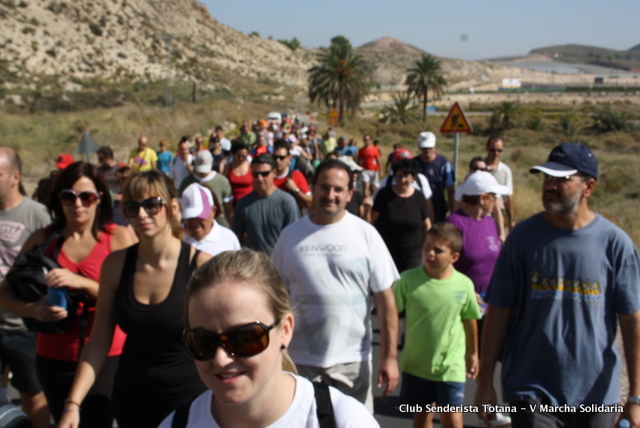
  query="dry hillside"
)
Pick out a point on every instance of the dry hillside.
point(128, 39)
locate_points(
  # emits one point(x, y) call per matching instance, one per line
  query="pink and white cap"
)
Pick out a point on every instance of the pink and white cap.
point(196, 202)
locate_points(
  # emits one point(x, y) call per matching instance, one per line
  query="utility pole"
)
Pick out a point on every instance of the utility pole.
point(168, 93)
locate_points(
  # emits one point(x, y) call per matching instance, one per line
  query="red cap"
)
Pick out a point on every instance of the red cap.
point(64, 161)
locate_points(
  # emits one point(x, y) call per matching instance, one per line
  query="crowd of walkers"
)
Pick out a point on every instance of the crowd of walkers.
point(179, 268)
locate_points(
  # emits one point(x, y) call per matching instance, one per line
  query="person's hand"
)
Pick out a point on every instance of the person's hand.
point(485, 394)
point(389, 375)
point(60, 277)
point(471, 361)
point(631, 413)
point(70, 417)
point(42, 312)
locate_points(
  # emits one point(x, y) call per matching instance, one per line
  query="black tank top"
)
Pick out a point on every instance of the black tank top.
point(155, 372)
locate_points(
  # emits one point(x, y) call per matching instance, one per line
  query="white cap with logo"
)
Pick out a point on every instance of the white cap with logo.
point(427, 140)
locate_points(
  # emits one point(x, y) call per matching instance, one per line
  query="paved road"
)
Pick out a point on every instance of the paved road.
point(386, 409)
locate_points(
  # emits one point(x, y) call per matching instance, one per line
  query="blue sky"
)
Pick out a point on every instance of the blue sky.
point(465, 29)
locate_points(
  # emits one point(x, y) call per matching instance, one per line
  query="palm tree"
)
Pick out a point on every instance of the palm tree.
point(425, 76)
point(400, 110)
point(503, 115)
point(339, 80)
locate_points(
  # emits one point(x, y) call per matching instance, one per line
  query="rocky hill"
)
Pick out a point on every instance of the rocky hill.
point(136, 40)
point(389, 59)
point(68, 44)
point(624, 60)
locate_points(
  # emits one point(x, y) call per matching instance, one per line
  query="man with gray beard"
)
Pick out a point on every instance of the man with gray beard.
point(563, 280)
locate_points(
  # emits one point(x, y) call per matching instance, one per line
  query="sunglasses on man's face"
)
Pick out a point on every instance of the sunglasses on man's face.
point(262, 173)
point(87, 197)
point(151, 206)
point(244, 341)
point(496, 150)
point(278, 157)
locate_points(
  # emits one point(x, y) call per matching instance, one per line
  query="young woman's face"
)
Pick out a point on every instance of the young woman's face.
point(154, 219)
point(77, 212)
point(236, 380)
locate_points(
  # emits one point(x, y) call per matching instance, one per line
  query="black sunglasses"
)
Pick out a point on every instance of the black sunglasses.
point(496, 150)
point(151, 206)
point(87, 197)
point(262, 173)
point(278, 157)
point(476, 168)
point(244, 341)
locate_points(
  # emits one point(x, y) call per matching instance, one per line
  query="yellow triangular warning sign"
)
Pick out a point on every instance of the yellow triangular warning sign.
point(456, 121)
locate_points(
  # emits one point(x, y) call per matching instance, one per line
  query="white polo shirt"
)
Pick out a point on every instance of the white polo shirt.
point(218, 240)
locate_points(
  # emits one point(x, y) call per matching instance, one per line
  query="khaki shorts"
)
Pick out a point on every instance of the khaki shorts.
point(353, 379)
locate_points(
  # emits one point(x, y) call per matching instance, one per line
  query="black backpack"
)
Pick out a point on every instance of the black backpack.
point(27, 282)
point(324, 411)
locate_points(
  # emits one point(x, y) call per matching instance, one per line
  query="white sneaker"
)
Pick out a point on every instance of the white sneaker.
point(501, 420)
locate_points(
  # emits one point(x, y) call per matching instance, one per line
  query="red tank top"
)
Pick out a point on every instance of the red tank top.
point(241, 186)
point(65, 346)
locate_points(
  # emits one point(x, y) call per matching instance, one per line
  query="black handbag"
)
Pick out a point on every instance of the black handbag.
point(27, 282)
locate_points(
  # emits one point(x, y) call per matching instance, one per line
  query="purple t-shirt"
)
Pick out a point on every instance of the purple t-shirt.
point(480, 248)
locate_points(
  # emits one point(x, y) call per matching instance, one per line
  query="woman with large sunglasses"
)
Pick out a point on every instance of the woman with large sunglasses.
point(143, 290)
point(239, 324)
point(81, 210)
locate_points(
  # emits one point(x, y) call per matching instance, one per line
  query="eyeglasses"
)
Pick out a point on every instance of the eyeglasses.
point(277, 157)
point(244, 341)
point(496, 150)
point(87, 197)
point(151, 206)
point(262, 173)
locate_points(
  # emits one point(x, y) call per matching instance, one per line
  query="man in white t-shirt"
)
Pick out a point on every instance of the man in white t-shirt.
point(332, 263)
point(182, 165)
point(204, 233)
point(502, 173)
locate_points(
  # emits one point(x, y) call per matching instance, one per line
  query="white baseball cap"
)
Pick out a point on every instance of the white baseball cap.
point(197, 201)
point(204, 161)
point(481, 182)
point(427, 140)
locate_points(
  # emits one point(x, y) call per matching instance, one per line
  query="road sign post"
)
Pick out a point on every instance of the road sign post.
point(456, 122)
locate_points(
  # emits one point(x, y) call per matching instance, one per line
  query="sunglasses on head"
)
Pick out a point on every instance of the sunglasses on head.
point(87, 197)
point(262, 173)
point(244, 341)
point(151, 206)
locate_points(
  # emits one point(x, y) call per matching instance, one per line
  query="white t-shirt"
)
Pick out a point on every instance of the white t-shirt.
point(349, 413)
point(331, 272)
point(503, 176)
point(218, 240)
point(424, 182)
point(178, 170)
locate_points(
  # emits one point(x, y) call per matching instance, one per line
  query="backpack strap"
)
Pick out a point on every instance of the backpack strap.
point(324, 406)
point(181, 415)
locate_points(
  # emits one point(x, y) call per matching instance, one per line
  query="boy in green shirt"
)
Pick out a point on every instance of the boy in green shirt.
point(441, 347)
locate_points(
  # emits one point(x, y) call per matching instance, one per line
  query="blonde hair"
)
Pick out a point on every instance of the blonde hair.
point(248, 267)
point(154, 183)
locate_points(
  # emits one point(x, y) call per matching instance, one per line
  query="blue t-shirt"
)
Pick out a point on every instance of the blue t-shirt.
point(164, 160)
point(348, 151)
point(440, 176)
point(565, 288)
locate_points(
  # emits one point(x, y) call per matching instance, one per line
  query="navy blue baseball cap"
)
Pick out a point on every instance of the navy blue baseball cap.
point(568, 159)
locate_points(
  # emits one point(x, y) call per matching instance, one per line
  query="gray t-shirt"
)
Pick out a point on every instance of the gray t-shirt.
point(566, 288)
point(262, 219)
point(16, 225)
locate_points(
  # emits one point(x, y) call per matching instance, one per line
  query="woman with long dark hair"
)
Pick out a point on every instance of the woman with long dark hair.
point(80, 206)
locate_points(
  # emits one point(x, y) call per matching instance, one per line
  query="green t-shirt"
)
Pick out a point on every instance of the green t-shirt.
point(435, 343)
